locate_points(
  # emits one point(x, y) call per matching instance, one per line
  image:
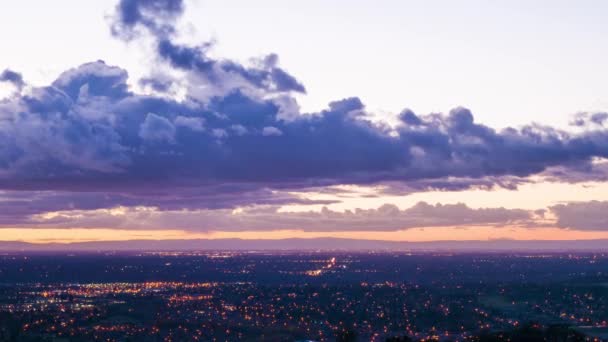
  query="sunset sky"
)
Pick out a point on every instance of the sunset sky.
point(389, 120)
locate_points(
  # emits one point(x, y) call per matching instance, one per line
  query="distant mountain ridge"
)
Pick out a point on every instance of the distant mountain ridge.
point(311, 244)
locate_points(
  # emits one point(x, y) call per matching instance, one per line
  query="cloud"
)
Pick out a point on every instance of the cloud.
point(263, 218)
point(156, 16)
point(157, 128)
point(238, 130)
point(585, 119)
point(18, 207)
point(12, 77)
point(270, 131)
point(582, 215)
point(195, 124)
point(88, 132)
point(594, 171)
point(226, 75)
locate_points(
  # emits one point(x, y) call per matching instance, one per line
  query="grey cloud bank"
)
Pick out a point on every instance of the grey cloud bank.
point(578, 216)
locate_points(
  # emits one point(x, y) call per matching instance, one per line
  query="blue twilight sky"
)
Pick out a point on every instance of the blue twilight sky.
point(287, 118)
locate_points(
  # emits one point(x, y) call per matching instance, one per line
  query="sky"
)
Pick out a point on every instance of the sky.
point(393, 120)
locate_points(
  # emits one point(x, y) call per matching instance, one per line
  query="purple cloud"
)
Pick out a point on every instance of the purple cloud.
point(88, 132)
point(156, 16)
point(387, 217)
point(12, 77)
point(238, 130)
point(18, 207)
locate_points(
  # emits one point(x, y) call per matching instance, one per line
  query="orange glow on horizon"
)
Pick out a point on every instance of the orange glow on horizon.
point(64, 235)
